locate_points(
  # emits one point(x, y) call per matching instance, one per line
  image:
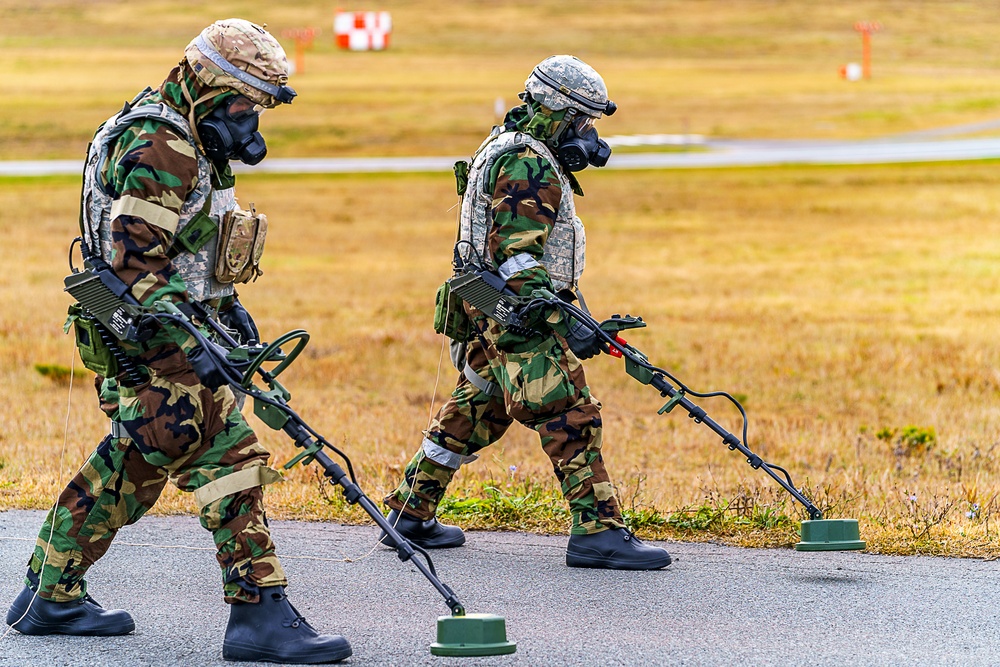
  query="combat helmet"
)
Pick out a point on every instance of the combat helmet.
point(244, 57)
point(566, 82)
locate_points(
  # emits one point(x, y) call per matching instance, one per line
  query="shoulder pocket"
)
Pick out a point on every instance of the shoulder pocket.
point(196, 233)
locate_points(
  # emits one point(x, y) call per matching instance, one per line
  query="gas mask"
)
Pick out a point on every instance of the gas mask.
point(580, 146)
point(230, 131)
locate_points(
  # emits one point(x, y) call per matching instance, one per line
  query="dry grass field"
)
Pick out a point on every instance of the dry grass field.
point(852, 310)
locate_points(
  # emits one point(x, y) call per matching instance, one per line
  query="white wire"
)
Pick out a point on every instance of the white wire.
point(430, 416)
point(52, 522)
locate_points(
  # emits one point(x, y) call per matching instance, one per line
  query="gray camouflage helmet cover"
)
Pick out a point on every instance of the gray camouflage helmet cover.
point(242, 56)
point(564, 82)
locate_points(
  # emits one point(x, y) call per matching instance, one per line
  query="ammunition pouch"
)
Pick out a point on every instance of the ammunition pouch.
point(461, 170)
point(241, 245)
point(450, 317)
point(94, 350)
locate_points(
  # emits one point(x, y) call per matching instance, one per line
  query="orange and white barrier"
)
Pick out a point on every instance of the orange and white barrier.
point(362, 31)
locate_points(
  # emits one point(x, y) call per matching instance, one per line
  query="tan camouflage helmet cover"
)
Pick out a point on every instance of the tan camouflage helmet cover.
point(243, 56)
point(563, 82)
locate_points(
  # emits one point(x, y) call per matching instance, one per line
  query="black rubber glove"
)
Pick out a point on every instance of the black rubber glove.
point(237, 318)
point(584, 341)
point(209, 371)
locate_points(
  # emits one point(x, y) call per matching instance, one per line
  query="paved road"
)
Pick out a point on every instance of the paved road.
point(708, 153)
point(714, 606)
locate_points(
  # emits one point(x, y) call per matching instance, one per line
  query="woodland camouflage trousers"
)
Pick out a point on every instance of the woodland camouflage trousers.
point(183, 432)
point(544, 388)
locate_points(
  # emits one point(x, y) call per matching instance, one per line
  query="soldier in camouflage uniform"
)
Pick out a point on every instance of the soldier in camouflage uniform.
point(158, 193)
point(518, 217)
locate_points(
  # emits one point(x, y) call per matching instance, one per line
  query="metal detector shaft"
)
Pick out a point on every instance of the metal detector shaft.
point(701, 417)
point(638, 366)
point(295, 428)
point(354, 495)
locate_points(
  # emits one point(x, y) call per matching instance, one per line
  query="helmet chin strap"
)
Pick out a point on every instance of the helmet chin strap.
point(187, 97)
point(568, 116)
point(192, 121)
point(551, 128)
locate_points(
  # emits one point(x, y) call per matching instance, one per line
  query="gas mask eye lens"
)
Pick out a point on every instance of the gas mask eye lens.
point(581, 146)
point(240, 107)
point(584, 125)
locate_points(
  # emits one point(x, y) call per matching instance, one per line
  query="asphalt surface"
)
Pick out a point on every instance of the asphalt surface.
point(691, 152)
point(714, 605)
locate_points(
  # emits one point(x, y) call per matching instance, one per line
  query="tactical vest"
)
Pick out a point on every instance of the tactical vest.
point(564, 254)
point(197, 268)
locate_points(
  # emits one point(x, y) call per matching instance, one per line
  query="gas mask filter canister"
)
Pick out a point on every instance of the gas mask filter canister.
point(230, 131)
point(578, 150)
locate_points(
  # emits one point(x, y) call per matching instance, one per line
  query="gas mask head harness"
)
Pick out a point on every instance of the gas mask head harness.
point(230, 131)
point(574, 95)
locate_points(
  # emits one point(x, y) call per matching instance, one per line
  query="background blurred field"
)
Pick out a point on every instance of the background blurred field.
point(851, 309)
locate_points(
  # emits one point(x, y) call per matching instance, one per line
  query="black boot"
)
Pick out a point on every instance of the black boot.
point(80, 617)
point(430, 534)
point(273, 631)
point(614, 549)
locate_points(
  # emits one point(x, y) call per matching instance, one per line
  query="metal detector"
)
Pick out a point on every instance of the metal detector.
point(112, 314)
point(488, 292)
point(818, 534)
point(460, 634)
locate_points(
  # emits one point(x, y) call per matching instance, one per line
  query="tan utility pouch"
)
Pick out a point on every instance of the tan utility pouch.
point(241, 244)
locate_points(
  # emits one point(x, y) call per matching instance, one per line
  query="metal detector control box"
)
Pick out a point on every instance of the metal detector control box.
point(103, 302)
point(489, 293)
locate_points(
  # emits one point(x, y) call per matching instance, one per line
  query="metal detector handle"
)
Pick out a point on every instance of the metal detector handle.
point(301, 338)
point(613, 325)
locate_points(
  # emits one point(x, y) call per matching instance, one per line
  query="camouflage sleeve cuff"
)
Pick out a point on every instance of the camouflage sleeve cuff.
point(542, 320)
point(180, 338)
